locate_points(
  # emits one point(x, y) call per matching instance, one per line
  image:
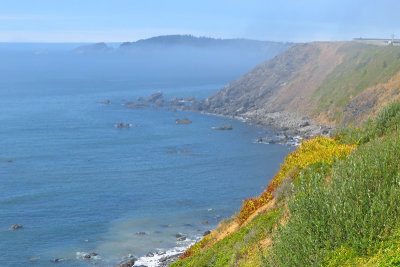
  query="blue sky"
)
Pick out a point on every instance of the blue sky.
point(130, 20)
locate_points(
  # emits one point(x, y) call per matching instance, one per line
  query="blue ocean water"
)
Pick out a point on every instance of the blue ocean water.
point(79, 185)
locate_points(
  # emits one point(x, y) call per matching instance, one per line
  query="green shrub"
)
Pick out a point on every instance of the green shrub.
point(387, 121)
point(356, 208)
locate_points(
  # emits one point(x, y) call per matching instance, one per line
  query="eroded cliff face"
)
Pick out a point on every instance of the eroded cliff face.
point(313, 84)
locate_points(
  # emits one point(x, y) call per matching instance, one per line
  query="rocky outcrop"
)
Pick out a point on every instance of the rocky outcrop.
point(15, 227)
point(122, 125)
point(155, 97)
point(225, 127)
point(183, 121)
point(166, 261)
point(127, 263)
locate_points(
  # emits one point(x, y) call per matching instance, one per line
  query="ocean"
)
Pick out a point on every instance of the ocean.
point(79, 185)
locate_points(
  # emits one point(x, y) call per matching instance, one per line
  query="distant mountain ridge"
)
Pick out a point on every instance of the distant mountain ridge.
point(186, 40)
point(193, 41)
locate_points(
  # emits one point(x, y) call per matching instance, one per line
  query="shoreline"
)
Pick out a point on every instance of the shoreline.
point(280, 122)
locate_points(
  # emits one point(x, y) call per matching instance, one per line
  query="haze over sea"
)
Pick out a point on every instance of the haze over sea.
point(79, 185)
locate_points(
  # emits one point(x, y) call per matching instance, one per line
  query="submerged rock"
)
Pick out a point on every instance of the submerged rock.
point(87, 257)
point(56, 260)
point(106, 102)
point(130, 104)
point(32, 259)
point(150, 254)
point(15, 227)
point(183, 121)
point(225, 127)
point(93, 254)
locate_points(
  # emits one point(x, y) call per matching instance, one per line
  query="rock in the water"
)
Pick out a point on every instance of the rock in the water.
point(56, 260)
point(178, 235)
point(140, 99)
point(93, 254)
point(182, 238)
point(87, 257)
point(150, 254)
point(15, 227)
point(207, 232)
point(154, 97)
point(178, 102)
point(168, 260)
point(225, 127)
point(204, 222)
point(106, 102)
point(159, 103)
point(122, 125)
point(141, 233)
point(183, 121)
point(127, 263)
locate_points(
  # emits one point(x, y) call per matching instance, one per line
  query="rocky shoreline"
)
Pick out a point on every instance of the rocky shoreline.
point(288, 123)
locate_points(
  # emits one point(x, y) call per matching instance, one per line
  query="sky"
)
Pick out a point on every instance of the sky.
point(130, 20)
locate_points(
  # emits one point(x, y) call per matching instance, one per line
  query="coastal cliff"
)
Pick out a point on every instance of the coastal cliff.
point(335, 201)
point(313, 87)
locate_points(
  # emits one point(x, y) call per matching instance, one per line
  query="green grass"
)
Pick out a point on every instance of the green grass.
point(239, 248)
point(342, 213)
point(363, 66)
point(351, 218)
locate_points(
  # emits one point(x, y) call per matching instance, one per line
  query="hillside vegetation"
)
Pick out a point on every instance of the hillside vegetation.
point(333, 83)
point(335, 202)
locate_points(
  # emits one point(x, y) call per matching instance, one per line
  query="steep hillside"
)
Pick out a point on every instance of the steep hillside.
point(330, 82)
point(335, 202)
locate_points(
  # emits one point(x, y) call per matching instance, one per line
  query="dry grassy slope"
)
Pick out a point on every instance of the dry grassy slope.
point(332, 82)
point(370, 101)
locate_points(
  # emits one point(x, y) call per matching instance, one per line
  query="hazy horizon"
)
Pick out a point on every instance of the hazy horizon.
point(93, 21)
